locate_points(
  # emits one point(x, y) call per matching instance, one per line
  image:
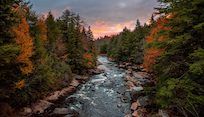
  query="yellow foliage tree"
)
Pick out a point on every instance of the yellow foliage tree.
point(24, 40)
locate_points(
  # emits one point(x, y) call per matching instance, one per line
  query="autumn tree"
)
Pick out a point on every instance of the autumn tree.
point(24, 40)
point(152, 51)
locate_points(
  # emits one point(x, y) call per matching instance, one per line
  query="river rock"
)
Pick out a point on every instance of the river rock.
point(74, 83)
point(135, 114)
point(61, 111)
point(119, 105)
point(67, 90)
point(142, 101)
point(98, 63)
point(128, 115)
point(141, 112)
point(136, 68)
point(121, 66)
point(129, 71)
point(130, 85)
point(129, 78)
point(78, 77)
point(134, 106)
point(40, 106)
point(137, 89)
point(137, 75)
point(100, 69)
point(143, 74)
point(54, 96)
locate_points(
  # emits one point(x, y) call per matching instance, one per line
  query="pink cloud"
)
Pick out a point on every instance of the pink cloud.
point(101, 28)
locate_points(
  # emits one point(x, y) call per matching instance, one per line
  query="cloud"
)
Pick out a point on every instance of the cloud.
point(122, 5)
point(115, 13)
point(101, 28)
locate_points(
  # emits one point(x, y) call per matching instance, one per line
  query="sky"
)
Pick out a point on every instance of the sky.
point(106, 17)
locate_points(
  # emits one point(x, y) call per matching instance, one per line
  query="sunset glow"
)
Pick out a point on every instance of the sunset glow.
point(101, 28)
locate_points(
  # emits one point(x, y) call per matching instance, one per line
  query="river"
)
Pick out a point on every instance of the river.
point(104, 95)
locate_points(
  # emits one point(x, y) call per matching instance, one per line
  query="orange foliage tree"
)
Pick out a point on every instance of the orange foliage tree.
point(24, 40)
point(89, 60)
point(153, 52)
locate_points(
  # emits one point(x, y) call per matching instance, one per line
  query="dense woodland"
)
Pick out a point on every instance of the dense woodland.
point(38, 55)
point(172, 49)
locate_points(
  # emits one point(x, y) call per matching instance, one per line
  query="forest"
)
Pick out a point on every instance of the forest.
point(40, 55)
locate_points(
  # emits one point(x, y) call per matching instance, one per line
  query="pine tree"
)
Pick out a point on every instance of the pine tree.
point(137, 44)
point(52, 31)
point(72, 36)
point(9, 71)
point(179, 69)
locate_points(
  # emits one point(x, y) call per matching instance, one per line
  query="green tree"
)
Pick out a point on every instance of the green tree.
point(52, 31)
point(72, 36)
point(9, 70)
point(180, 68)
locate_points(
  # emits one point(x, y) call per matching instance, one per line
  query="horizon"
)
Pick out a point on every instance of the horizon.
point(106, 17)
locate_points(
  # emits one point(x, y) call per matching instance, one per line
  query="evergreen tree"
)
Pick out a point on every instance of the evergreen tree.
point(180, 68)
point(72, 37)
point(52, 31)
point(137, 44)
point(9, 71)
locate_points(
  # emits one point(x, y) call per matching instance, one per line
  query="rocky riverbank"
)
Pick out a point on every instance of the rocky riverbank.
point(137, 79)
point(48, 103)
point(112, 92)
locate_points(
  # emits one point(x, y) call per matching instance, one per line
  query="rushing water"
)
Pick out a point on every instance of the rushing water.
point(103, 96)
